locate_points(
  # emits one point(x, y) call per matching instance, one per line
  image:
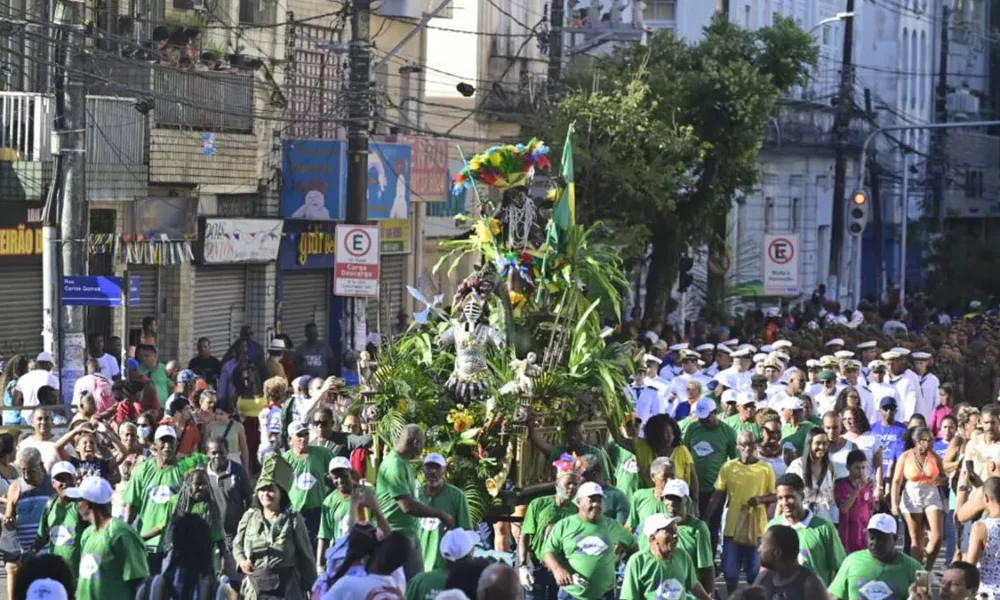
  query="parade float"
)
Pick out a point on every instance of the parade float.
point(522, 336)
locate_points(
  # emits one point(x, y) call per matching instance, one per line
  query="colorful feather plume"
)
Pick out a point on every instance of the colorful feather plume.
point(503, 167)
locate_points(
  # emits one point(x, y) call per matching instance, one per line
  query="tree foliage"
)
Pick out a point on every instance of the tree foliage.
point(670, 134)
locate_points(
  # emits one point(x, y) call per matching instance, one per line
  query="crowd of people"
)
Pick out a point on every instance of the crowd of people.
point(794, 463)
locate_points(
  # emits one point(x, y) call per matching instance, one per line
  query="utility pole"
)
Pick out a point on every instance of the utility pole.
point(359, 119)
point(70, 126)
point(941, 110)
point(557, 20)
point(840, 126)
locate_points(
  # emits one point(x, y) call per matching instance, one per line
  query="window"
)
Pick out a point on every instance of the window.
point(973, 183)
point(904, 50)
point(913, 79)
point(768, 215)
point(923, 80)
point(794, 217)
point(826, 35)
point(660, 10)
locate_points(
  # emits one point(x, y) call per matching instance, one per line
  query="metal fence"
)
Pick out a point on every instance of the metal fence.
point(116, 133)
point(25, 125)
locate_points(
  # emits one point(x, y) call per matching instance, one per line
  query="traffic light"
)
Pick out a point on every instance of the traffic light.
point(857, 213)
point(686, 278)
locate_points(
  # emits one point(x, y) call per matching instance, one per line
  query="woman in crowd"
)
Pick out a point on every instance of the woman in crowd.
point(849, 397)
point(26, 500)
point(272, 546)
point(13, 369)
point(8, 472)
point(386, 558)
point(145, 427)
point(221, 424)
point(188, 575)
point(249, 404)
point(858, 430)
point(915, 494)
point(855, 496)
point(945, 401)
point(816, 471)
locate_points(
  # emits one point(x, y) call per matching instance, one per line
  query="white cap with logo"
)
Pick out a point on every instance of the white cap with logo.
point(435, 459)
point(883, 522)
point(676, 487)
point(456, 544)
point(657, 522)
point(589, 489)
point(165, 431)
point(95, 490)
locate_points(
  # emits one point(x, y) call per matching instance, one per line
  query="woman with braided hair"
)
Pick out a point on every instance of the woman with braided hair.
point(188, 574)
point(195, 498)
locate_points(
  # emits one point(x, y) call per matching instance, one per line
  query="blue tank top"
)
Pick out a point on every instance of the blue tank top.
point(29, 510)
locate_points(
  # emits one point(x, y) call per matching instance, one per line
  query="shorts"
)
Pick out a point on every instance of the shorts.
point(920, 497)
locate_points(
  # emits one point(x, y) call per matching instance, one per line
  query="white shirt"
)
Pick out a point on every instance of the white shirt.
point(109, 366)
point(651, 401)
point(47, 448)
point(367, 587)
point(84, 385)
point(824, 403)
point(29, 384)
point(839, 459)
point(909, 396)
point(929, 385)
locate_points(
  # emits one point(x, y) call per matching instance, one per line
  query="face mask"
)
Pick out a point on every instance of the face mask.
point(144, 432)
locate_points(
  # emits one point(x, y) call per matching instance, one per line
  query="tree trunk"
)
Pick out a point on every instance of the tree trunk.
point(666, 243)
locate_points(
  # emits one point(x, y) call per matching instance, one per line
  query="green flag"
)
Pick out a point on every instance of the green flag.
point(564, 211)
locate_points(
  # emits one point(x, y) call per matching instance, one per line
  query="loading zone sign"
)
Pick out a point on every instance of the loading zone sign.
point(782, 261)
point(357, 261)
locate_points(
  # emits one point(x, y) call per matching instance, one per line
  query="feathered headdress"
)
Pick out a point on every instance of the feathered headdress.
point(503, 167)
point(568, 463)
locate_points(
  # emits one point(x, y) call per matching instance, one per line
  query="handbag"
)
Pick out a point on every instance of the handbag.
point(748, 531)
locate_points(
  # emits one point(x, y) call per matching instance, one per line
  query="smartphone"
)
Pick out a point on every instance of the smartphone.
point(923, 581)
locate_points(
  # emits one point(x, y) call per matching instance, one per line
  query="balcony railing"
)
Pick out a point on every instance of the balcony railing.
point(192, 99)
point(26, 120)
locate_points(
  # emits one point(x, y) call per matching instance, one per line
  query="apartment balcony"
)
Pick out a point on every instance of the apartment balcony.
point(800, 125)
point(115, 139)
point(508, 100)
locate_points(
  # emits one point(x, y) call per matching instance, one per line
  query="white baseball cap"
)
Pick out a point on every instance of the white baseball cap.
point(456, 544)
point(165, 431)
point(704, 407)
point(792, 403)
point(435, 459)
point(657, 522)
point(95, 490)
point(43, 357)
point(676, 487)
point(46, 589)
point(744, 398)
point(589, 489)
point(883, 522)
point(339, 462)
point(727, 397)
point(727, 378)
point(297, 427)
point(62, 467)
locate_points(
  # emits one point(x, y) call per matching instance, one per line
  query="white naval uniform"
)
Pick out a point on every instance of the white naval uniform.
point(775, 390)
point(908, 393)
point(929, 385)
point(823, 403)
point(742, 379)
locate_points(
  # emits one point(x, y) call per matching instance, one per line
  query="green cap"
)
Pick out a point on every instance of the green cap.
point(827, 374)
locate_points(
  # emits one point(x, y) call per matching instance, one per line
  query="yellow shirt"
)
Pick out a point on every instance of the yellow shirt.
point(742, 482)
point(683, 465)
point(250, 407)
point(683, 461)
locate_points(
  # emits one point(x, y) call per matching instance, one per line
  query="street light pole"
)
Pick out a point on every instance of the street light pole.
point(906, 223)
point(841, 16)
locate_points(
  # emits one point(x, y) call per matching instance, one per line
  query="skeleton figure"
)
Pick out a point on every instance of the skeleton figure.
point(470, 336)
point(524, 371)
point(366, 372)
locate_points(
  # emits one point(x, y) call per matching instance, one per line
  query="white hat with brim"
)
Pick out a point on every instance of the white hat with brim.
point(297, 427)
point(652, 337)
point(728, 396)
point(676, 487)
point(900, 351)
point(731, 343)
point(589, 489)
point(867, 345)
point(882, 522)
point(456, 544)
point(767, 348)
point(679, 347)
point(435, 459)
point(46, 589)
point(744, 398)
point(723, 349)
point(890, 355)
point(657, 522)
point(759, 357)
point(812, 363)
point(921, 356)
point(164, 431)
point(62, 468)
point(781, 344)
point(834, 342)
point(843, 354)
point(649, 358)
point(727, 379)
point(705, 347)
point(95, 490)
point(744, 353)
point(792, 403)
point(339, 462)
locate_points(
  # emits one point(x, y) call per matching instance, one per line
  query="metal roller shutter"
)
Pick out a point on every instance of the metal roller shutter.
point(21, 310)
point(305, 299)
point(148, 293)
point(392, 286)
point(219, 305)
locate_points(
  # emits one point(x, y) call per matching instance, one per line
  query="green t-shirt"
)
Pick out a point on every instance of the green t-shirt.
point(427, 585)
point(110, 558)
point(644, 503)
point(161, 381)
point(154, 491)
point(450, 500)
point(738, 425)
point(586, 449)
point(796, 436)
point(650, 578)
point(588, 549)
point(396, 478)
point(542, 514)
point(695, 540)
point(309, 482)
point(711, 448)
point(615, 505)
point(626, 468)
point(861, 577)
point(336, 513)
point(62, 531)
point(820, 547)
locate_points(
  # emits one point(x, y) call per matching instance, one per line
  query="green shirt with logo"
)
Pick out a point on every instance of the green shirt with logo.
point(110, 558)
point(710, 448)
point(796, 436)
point(449, 500)
point(336, 513)
point(650, 578)
point(541, 515)
point(588, 549)
point(696, 541)
point(820, 547)
point(62, 531)
point(154, 491)
point(309, 487)
point(396, 478)
point(862, 577)
point(626, 468)
point(427, 585)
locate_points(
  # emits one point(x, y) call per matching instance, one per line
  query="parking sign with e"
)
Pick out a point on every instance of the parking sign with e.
point(356, 271)
point(781, 265)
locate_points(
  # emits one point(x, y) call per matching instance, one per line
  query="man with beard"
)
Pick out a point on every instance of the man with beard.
point(695, 540)
point(581, 549)
point(663, 571)
point(784, 577)
point(820, 548)
point(878, 572)
point(112, 558)
point(441, 495)
point(152, 490)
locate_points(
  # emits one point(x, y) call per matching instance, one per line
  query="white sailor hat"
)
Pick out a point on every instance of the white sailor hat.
point(689, 355)
point(921, 356)
point(723, 349)
point(828, 361)
point(891, 355)
point(742, 353)
point(867, 345)
point(852, 364)
point(773, 362)
point(877, 365)
point(767, 348)
point(701, 363)
point(749, 347)
point(834, 342)
point(649, 358)
point(812, 363)
point(732, 342)
point(900, 351)
point(781, 344)
point(652, 337)
point(784, 357)
point(759, 357)
point(679, 347)
point(843, 354)
point(705, 347)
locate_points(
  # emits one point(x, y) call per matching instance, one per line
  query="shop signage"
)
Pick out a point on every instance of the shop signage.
point(20, 231)
point(357, 267)
point(241, 240)
point(308, 245)
point(314, 180)
point(429, 180)
point(395, 235)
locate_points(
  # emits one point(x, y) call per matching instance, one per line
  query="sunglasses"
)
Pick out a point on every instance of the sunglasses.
point(321, 423)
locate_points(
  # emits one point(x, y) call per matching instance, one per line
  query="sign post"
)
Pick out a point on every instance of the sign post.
point(782, 263)
point(356, 272)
